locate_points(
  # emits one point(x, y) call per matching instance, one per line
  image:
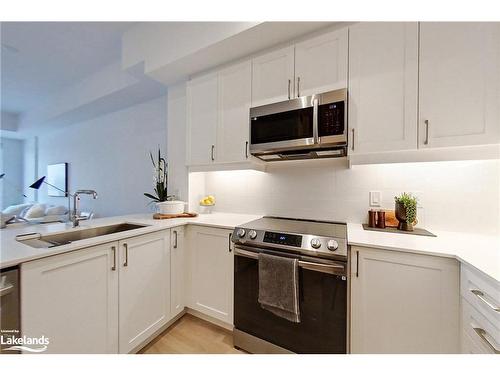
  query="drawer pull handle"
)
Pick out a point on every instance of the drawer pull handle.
point(480, 295)
point(7, 289)
point(482, 333)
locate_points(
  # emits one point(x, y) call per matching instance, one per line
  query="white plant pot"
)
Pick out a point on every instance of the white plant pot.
point(170, 207)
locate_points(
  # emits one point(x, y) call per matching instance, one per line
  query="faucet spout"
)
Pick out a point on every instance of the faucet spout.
point(76, 200)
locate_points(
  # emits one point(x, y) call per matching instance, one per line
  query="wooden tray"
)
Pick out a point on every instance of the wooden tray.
point(176, 216)
point(416, 231)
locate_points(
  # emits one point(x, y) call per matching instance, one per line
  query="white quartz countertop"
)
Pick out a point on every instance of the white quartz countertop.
point(479, 251)
point(13, 252)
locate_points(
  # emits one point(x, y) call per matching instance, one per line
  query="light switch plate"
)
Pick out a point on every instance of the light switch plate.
point(375, 198)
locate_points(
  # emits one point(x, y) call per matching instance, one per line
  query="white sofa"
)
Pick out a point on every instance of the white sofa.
point(35, 212)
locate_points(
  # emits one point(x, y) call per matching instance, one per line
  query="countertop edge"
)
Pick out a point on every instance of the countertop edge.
point(226, 221)
point(468, 256)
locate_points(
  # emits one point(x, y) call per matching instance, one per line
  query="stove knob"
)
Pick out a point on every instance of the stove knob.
point(241, 233)
point(332, 245)
point(252, 234)
point(316, 243)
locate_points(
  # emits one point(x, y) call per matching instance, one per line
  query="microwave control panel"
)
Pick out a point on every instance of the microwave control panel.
point(331, 119)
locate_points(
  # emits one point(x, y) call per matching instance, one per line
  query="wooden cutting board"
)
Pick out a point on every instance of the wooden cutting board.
point(176, 216)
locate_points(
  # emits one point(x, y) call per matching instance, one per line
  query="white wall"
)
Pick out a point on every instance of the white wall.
point(12, 165)
point(456, 196)
point(109, 154)
point(176, 138)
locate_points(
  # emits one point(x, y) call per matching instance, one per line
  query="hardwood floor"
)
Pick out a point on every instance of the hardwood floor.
point(191, 335)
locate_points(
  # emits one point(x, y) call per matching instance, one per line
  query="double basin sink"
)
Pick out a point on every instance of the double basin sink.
point(37, 240)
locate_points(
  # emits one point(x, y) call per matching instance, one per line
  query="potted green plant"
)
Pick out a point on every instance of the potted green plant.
point(406, 211)
point(165, 203)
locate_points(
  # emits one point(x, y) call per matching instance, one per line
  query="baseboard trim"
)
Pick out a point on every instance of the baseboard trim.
point(157, 333)
point(210, 319)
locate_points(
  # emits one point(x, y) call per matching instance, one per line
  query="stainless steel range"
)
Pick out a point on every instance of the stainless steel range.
point(321, 251)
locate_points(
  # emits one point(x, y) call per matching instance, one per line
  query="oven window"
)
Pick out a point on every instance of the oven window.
point(331, 119)
point(323, 311)
point(284, 126)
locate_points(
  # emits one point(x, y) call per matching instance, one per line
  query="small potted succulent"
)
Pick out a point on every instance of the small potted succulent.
point(165, 204)
point(406, 211)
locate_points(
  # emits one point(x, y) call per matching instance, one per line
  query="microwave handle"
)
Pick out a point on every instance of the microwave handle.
point(315, 121)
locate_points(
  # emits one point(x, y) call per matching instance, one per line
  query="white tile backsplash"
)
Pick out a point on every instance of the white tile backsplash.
point(457, 195)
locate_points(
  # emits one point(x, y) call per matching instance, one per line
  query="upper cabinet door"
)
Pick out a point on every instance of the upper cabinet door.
point(235, 90)
point(459, 84)
point(272, 77)
point(321, 63)
point(383, 86)
point(202, 117)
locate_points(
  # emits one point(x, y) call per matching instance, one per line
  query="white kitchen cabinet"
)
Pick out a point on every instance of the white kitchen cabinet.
point(459, 84)
point(72, 299)
point(321, 63)
point(480, 300)
point(202, 118)
point(273, 77)
point(403, 303)
point(211, 270)
point(235, 88)
point(383, 86)
point(144, 293)
point(177, 270)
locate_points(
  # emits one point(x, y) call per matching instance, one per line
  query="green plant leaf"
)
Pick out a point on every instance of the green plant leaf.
point(152, 160)
point(151, 196)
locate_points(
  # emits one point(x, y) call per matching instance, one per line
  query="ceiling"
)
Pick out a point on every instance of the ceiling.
point(40, 58)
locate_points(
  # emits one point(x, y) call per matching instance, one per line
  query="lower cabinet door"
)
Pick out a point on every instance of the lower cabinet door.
point(144, 295)
point(72, 300)
point(211, 272)
point(177, 270)
point(403, 303)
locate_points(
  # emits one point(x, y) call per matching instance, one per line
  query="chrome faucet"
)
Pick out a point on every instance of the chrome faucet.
point(76, 200)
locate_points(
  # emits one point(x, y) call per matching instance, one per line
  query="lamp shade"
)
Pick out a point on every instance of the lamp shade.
point(36, 185)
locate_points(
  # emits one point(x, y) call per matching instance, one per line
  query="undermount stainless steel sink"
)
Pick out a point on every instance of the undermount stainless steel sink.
point(51, 240)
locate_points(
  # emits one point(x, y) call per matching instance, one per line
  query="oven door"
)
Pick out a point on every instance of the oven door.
point(323, 306)
point(289, 125)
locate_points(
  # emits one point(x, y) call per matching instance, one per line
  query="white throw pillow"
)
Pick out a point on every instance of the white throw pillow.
point(55, 210)
point(37, 210)
point(16, 209)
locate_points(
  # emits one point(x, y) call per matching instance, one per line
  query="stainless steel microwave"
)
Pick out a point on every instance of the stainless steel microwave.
point(307, 127)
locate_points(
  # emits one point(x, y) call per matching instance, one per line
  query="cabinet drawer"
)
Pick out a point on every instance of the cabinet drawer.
point(482, 293)
point(482, 331)
point(470, 346)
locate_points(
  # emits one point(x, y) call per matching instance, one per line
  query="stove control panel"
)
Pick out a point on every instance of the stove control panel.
point(283, 239)
point(305, 243)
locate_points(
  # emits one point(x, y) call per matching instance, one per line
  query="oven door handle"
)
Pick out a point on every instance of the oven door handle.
point(333, 269)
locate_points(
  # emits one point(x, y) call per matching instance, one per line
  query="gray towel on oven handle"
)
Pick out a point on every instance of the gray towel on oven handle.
point(279, 286)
